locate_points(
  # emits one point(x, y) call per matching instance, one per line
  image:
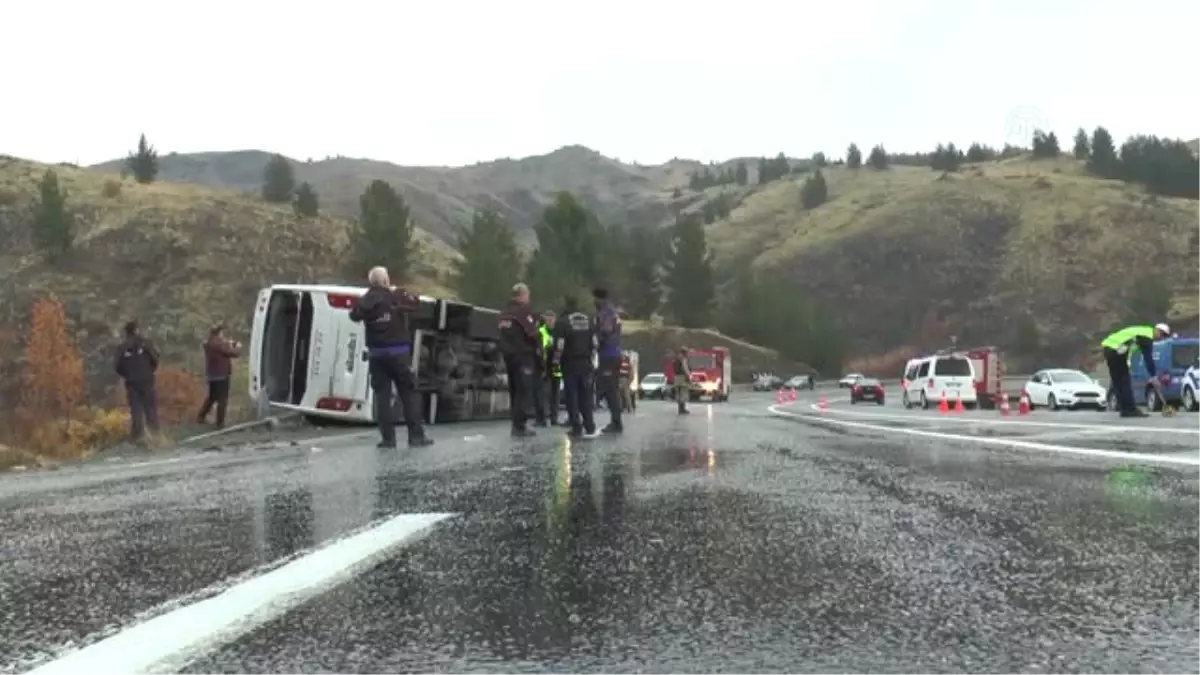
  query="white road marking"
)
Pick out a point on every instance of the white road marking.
point(168, 642)
point(1002, 442)
point(1015, 422)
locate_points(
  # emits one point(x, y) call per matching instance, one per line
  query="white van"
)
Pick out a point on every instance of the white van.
point(306, 355)
point(928, 379)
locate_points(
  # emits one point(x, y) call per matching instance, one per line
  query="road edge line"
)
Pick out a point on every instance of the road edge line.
point(1001, 442)
point(1114, 428)
point(169, 641)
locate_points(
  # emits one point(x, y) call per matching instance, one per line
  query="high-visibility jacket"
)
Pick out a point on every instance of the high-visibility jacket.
point(1133, 338)
point(548, 351)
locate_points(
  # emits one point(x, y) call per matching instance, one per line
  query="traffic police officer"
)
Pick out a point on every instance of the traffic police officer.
point(550, 372)
point(520, 343)
point(608, 337)
point(1116, 354)
point(574, 344)
point(383, 310)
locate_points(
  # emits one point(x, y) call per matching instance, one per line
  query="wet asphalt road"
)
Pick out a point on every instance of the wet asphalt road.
point(727, 541)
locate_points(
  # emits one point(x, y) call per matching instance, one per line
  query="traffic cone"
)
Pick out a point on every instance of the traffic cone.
point(824, 403)
point(944, 406)
point(792, 395)
point(779, 396)
point(1004, 409)
point(958, 404)
point(1023, 406)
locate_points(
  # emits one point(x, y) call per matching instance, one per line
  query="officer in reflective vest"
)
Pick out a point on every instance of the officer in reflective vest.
point(1116, 354)
point(551, 373)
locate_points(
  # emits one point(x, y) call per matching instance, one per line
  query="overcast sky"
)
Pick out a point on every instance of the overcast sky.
point(447, 82)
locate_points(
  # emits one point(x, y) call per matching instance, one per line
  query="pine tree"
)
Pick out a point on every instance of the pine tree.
point(815, 192)
point(1082, 148)
point(742, 174)
point(976, 153)
point(853, 157)
point(568, 238)
point(53, 223)
point(384, 233)
point(689, 276)
point(144, 163)
point(278, 180)
point(878, 158)
point(307, 204)
point(1103, 161)
point(490, 262)
point(819, 161)
point(52, 382)
point(644, 293)
point(1045, 145)
point(764, 171)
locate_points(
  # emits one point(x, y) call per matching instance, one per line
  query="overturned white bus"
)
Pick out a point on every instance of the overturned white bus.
point(306, 355)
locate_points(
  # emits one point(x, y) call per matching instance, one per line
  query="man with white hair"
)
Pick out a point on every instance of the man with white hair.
point(384, 310)
point(1117, 348)
point(521, 343)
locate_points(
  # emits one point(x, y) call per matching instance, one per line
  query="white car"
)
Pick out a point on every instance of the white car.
point(653, 385)
point(850, 380)
point(927, 381)
point(1190, 388)
point(1058, 388)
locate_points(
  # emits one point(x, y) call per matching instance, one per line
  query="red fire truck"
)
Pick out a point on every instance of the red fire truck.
point(988, 364)
point(712, 373)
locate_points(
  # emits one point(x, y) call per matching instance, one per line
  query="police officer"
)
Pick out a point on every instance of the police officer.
point(1116, 354)
point(383, 310)
point(574, 346)
point(136, 362)
point(551, 373)
point(682, 377)
point(608, 337)
point(520, 343)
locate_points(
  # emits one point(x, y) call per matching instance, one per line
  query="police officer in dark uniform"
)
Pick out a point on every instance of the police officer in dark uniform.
point(520, 342)
point(383, 310)
point(608, 337)
point(136, 362)
point(574, 345)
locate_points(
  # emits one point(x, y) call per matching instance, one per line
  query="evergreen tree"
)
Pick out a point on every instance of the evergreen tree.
point(946, 158)
point(764, 171)
point(384, 233)
point(490, 262)
point(742, 174)
point(278, 180)
point(853, 157)
point(819, 161)
point(689, 276)
point(567, 245)
point(53, 223)
point(1103, 161)
point(1045, 145)
point(815, 192)
point(781, 168)
point(878, 158)
point(143, 164)
point(1082, 148)
point(1167, 168)
point(976, 153)
point(307, 204)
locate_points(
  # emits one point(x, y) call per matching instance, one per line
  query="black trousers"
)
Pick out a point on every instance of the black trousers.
point(520, 388)
point(143, 408)
point(386, 372)
point(538, 395)
point(606, 385)
point(554, 384)
point(218, 395)
point(1120, 380)
point(577, 386)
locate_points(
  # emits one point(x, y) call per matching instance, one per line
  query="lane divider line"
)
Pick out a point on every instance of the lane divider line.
point(1000, 442)
point(168, 642)
point(1024, 423)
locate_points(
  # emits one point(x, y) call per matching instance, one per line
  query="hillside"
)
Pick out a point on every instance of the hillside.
point(651, 343)
point(442, 197)
point(977, 249)
point(176, 256)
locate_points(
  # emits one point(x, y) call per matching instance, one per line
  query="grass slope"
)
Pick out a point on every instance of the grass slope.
point(176, 256)
point(978, 247)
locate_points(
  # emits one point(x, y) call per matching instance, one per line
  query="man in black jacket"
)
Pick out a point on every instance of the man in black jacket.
point(520, 342)
point(574, 347)
point(383, 310)
point(136, 362)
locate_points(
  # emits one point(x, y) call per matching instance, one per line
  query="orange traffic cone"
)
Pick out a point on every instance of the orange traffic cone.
point(944, 406)
point(1004, 409)
point(1023, 406)
point(958, 404)
point(824, 403)
point(779, 396)
point(792, 395)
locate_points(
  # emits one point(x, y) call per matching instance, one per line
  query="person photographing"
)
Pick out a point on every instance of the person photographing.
point(383, 310)
point(1117, 351)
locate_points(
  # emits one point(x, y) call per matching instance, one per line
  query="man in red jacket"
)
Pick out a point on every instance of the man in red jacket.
point(219, 351)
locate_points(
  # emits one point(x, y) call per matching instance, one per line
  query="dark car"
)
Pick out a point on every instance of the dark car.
point(867, 389)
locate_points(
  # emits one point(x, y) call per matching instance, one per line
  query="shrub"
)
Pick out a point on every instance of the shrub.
point(112, 188)
point(180, 395)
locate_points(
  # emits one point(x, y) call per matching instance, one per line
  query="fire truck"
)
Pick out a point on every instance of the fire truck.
point(712, 373)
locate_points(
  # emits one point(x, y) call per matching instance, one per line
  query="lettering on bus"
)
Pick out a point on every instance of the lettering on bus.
point(351, 350)
point(315, 366)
